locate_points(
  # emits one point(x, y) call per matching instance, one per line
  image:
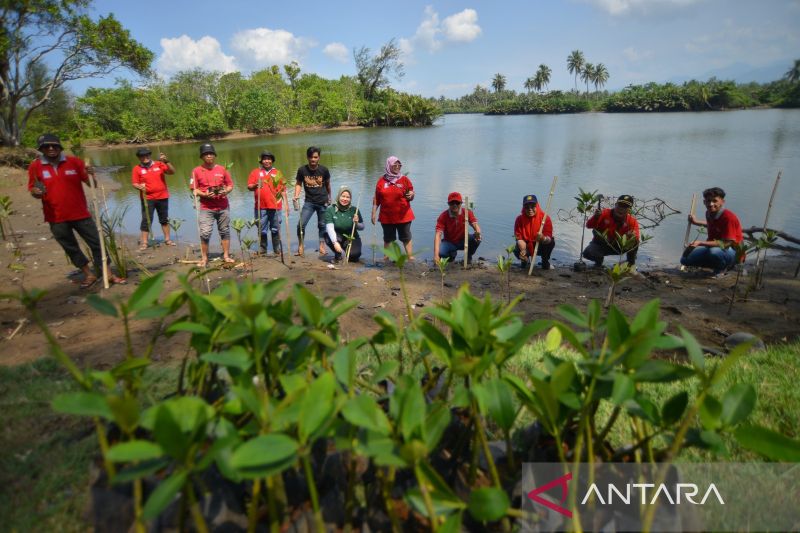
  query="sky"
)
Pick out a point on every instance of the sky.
point(450, 47)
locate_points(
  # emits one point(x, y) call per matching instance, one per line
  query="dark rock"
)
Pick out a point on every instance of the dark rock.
point(740, 337)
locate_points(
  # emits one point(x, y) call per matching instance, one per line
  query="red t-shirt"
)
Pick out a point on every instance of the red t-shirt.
point(453, 227)
point(64, 199)
point(394, 207)
point(271, 193)
point(726, 228)
point(203, 178)
point(154, 179)
point(527, 228)
point(605, 223)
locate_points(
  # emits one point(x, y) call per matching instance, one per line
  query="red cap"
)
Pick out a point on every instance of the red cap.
point(454, 197)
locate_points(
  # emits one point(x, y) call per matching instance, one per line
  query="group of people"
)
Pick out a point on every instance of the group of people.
point(57, 180)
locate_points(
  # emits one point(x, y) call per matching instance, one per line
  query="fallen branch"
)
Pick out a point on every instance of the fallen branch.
point(781, 234)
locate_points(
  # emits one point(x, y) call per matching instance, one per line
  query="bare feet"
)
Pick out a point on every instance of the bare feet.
point(300, 249)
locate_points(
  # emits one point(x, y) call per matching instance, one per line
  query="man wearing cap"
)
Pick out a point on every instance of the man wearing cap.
point(269, 192)
point(212, 183)
point(449, 232)
point(57, 179)
point(609, 226)
point(148, 178)
point(528, 230)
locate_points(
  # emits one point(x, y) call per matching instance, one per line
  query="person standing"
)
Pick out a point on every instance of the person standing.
point(269, 193)
point(212, 184)
point(449, 232)
point(393, 195)
point(148, 178)
point(339, 221)
point(315, 180)
point(609, 226)
point(57, 179)
point(723, 227)
point(527, 234)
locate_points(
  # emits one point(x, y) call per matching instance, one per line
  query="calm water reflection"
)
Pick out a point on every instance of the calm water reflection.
point(497, 160)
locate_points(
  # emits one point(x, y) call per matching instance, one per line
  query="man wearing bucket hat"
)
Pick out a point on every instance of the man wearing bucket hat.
point(212, 184)
point(449, 232)
point(148, 177)
point(609, 226)
point(269, 191)
point(57, 179)
point(526, 232)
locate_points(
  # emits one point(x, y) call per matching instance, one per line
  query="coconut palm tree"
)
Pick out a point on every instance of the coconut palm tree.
point(544, 75)
point(793, 74)
point(498, 83)
point(529, 84)
point(575, 63)
point(586, 75)
point(599, 76)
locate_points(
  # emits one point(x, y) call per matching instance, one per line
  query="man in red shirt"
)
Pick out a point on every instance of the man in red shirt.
point(269, 192)
point(212, 184)
point(148, 178)
point(449, 232)
point(609, 226)
point(57, 179)
point(723, 228)
point(526, 232)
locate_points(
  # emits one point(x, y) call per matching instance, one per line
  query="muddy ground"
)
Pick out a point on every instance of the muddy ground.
point(690, 299)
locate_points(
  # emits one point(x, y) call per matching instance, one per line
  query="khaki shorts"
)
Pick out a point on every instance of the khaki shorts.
point(207, 218)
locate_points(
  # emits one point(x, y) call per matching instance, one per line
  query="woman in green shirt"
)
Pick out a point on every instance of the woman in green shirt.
point(339, 220)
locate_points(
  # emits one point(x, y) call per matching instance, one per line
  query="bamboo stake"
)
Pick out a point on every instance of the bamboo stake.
point(466, 231)
point(258, 209)
point(762, 260)
point(353, 231)
point(143, 196)
point(93, 187)
point(375, 237)
point(196, 212)
point(689, 223)
point(541, 227)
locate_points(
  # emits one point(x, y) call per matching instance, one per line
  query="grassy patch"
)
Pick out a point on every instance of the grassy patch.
point(44, 467)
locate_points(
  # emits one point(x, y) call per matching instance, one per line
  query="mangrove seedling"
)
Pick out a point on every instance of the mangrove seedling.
point(239, 224)
point(586, 201)
point(112, 226)
point(441, 264)
point(504, 266)
point(741, 250)
point(5, 216)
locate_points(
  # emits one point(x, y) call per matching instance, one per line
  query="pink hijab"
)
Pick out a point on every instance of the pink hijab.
point(391, 178)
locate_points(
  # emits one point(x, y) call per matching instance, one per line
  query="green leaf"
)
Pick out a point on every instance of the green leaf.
point(617, 328)
point(129, 365)
point(644, 408)
point(191, 327)
point(738, 403)
point(711, 412)
point(413, 412)
point(572, 314)
point(146, 293)
point(488, 504)
point(125, 410)
point(317, 406)
point(436, 423)
point(308, 305)
point(134, 450)
point(139, 470)
point(236, 357)
point(168, 434)
point(344, 365)
point(83, 404)
point(768, 443)
point(624, 389)
point(452, 524)
point(647, 316)
point(500, 402)
point(385, 369)
point(265, 455)
point(101, 305)
point(163, 495)
point(693, 349)
point(363, 411)
point(552, 341)
point(660, 371)
point(674, 408)
point(321, 338)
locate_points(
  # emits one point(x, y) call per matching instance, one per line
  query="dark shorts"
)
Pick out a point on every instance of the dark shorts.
point(393, 232)
point(155, 206)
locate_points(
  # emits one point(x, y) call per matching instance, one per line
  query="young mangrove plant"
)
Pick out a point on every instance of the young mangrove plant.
point(741, 250)
point(6, 210)
point(441, 264)
point(586, 202)
point(504, 267)
point(113, 228)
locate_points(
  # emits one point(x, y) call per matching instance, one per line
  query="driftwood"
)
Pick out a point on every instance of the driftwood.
point(650, 213)
point(750, 232)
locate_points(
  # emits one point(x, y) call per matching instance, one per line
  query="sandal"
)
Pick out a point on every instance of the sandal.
point(143, 246)
point(117, 280)
point(229, 260)
point(202, 264)
point(170, 243)
point(88, 281)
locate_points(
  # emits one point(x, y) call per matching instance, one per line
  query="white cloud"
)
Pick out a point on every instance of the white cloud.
point(427, 31)
point(337, 52)
point(263, 47)
point(184, 53)
point(753, 45)
point(462, 27)
point(624, 7)
point(635, 55)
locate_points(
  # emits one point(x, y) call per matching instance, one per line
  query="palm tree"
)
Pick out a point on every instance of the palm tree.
point(575, 63)
point(529, 84)
point(537, 81)
point(499, 82)
point(600, 76)
point(793, 74)
point(544, 75)
point(586, 75)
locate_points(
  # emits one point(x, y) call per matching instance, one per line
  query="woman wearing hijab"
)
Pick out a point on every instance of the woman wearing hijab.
point(393, 195)
point(339, 220)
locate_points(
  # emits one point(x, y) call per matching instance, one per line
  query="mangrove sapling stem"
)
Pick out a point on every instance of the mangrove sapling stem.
point(274, 519)
point(734, 288)
point(137, 505)
point(541, 226)
point(760, 262)
point(489, 458)
point(426, 497)
point(99, 224)
point(194, 508)
point(387, 496)
point(252, 512)
point(312, 491)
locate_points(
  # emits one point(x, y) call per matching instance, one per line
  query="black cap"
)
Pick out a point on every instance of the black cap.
point(529, 199)
point(265, 155)
point(625, 199)
point(207, 148)
point(48, 138)
point(143, 151)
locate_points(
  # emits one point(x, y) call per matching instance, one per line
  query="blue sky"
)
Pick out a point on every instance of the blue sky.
point(452, 46)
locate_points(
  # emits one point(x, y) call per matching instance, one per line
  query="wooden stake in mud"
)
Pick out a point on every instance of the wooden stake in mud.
point(541, 227)
point(466, 231)
point(258, 210)
point(762, 260)
point(689, 223)
point(146, 207)
point(196, 211)
point(352, 231)
point(98, 223)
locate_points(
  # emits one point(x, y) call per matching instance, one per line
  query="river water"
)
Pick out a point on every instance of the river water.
point(495, 161)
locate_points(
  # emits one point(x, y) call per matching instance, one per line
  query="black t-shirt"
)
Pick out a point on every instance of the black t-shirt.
point(315, 182)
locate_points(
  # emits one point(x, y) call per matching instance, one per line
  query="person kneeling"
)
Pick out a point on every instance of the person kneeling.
point(723, 227)
point(610, 226)
point(527, 233)
point(449, 232)
point(340, 219)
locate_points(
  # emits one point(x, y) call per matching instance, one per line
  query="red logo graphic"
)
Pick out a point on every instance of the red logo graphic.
point(561, 482)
